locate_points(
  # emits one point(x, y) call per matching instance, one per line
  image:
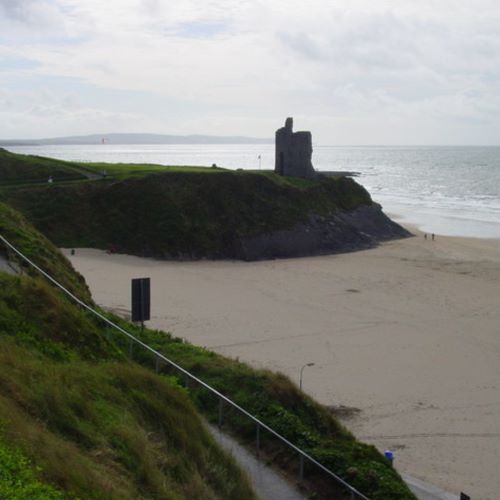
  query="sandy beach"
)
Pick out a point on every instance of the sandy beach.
point(408, 333)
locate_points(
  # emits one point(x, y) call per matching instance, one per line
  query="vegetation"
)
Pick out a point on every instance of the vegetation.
point(18, 480)
point(24, 169)
point(21, 234)
point(98, 426)
point(274, 399)
point(123, 170)
point(94, 424)
point(180, 213)
point(66, 383)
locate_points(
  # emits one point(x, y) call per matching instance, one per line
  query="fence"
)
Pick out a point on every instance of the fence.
point(303, 458)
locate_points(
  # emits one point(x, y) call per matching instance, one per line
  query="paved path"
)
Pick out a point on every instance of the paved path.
point(270, 486)
point(267, 484)
point(426, 491)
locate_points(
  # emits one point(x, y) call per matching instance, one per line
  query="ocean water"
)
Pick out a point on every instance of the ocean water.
point(444, 190)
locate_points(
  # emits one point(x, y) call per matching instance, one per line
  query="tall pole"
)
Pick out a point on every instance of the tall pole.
point(301, 370)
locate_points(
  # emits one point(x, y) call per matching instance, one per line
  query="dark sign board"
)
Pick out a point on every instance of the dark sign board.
point(141, 299)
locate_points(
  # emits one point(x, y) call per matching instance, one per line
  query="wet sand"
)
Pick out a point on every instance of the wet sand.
point(408, 333)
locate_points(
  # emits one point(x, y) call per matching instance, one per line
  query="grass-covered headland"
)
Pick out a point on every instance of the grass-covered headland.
point(191, 213)
point(79, 419)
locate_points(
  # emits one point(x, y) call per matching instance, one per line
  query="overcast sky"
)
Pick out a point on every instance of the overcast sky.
point(351, 71)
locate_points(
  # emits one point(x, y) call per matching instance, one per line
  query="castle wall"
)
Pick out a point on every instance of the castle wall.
point(293, 152)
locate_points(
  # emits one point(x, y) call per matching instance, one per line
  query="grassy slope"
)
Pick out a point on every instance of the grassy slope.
point(97, 425)
point(21, 234)
point(179, 214)
point(18, 478)
point(280, 404)
point(124, 170)
point(16, 169)
point(65, 386)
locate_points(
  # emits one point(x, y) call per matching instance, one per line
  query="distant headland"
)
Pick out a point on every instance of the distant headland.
point(136, 139)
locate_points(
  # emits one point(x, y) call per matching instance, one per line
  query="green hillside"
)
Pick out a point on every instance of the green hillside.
point(180, 213)
point(21, 234)
point(95, 425)
point(26, 169)
point(76, 417)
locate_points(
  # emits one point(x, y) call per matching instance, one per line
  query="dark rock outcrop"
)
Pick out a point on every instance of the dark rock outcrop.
point(347, 231)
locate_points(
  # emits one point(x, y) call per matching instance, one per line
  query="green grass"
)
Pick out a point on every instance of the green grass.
point(171, 212)
point(18, 478)
point(56, 363)
point(181, 215)
point(280, 404)
point(125, 170)
point(93, 424)
point(15, 228)
point(97, 425)
point(66, 388)
point(15, 169)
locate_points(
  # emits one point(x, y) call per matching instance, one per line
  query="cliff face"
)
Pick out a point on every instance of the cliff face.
point(343, 231)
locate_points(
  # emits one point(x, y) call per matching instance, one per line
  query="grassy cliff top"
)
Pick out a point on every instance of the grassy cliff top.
point(180, 212)
point(27, 169)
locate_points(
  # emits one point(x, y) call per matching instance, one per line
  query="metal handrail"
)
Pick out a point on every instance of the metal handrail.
point(159, 355)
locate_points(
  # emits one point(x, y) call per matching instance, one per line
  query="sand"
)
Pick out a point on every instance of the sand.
point(408, 333)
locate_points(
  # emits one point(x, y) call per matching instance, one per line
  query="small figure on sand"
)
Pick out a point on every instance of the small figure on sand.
point(425, 236)
point(433, 236)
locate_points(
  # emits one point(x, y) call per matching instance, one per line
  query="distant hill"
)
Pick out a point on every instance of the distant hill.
point(137, 139)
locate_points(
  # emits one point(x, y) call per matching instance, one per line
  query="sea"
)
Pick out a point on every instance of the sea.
point(446, 190)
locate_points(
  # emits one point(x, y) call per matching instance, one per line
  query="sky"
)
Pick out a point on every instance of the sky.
point(350, 71)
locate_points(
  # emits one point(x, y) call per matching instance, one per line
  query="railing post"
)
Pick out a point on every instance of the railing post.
point(157, 364)
point(301, 468)
point(130, 348)
point(257, 438)
point(221, 402)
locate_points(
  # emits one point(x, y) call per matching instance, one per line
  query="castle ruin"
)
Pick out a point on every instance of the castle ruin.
point(293, 152)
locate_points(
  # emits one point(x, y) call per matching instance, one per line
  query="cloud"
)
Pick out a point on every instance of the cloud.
point(48, 114)
point(248, 63)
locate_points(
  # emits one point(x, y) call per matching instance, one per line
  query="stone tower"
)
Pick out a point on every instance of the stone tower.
point(293, 152)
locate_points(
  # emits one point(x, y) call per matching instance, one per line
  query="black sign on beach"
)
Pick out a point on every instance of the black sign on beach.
point(141, 299)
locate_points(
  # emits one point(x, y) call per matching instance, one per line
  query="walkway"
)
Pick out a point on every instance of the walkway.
point(426, 491)
point(267, 484)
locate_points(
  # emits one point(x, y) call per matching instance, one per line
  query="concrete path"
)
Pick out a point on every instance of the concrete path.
point(426, 491)
point(270, 486)
point(267, 484)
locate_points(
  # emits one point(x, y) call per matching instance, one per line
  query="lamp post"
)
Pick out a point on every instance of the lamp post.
point(301, 370)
